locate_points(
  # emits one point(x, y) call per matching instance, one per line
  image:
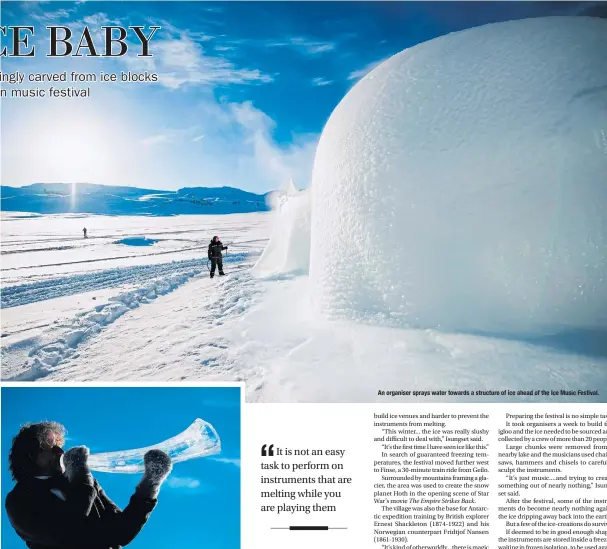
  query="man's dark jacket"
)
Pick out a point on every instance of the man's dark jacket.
point(88, 519)
point(215, 249)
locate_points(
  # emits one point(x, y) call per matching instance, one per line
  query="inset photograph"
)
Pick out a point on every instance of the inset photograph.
point(106, 467)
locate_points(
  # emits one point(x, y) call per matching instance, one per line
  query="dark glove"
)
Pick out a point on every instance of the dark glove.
point(75, 461)
point(158, 465)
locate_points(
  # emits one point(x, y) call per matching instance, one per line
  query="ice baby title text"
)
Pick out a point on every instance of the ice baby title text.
point(63, 42)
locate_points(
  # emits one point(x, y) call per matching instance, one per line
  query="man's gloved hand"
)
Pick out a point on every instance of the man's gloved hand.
point(75, 461)
point(158, 465)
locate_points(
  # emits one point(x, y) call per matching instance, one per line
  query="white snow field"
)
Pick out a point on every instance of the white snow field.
point(61, 291)
point(462, 184)
point(159, 319)
point(455, 234)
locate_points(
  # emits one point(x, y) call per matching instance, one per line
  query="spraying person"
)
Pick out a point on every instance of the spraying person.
point(215, 255)
point(56, 503)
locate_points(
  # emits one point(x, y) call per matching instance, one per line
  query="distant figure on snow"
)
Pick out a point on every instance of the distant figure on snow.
point(84, 231)
point(56, 503)
point(215, 249)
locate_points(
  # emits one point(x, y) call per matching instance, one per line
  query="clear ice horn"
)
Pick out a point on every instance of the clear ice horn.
point(199, 440)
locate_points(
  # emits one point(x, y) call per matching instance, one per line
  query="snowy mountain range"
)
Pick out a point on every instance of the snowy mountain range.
point(58, 198)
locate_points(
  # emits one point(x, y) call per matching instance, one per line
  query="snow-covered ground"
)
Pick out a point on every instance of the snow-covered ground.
point(60, 291)
point(84, 310)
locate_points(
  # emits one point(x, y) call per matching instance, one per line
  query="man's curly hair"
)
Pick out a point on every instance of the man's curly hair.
point(31, 438)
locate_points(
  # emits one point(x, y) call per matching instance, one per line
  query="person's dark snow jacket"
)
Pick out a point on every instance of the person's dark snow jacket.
point(86, 519)
point(215, 249)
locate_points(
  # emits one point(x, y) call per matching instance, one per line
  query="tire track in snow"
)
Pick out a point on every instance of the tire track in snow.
point(23, 251)
point(195, 316)
point(23, 294)
point(108, 259)
point(32, 250)
point(60, 343)
point(48, 354)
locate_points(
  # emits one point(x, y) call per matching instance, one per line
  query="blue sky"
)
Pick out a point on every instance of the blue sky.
point(199, 504)
point(244, 88)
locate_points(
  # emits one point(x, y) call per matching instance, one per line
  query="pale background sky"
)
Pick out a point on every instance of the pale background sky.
point(245, 88)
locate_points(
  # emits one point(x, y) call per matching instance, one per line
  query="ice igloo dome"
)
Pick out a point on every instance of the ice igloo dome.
point(462, 184)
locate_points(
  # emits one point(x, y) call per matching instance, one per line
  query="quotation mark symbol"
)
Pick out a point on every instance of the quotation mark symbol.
point(268, 452)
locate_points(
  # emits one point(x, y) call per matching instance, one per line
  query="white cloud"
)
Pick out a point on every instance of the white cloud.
point(356, 75)
point(319, 81)
point(239, 149)
point(172, 136)
point(306, 46)
point(178, 56)
point(183, 54)
point(312, 47)
point(220, 143)
point(181, 61)
point(97, 20)
point(199, 36)
point(176, 32)
point(155, 140)
point(231, 461)
point(51, 15)
point(251, 118)
point(183, 482)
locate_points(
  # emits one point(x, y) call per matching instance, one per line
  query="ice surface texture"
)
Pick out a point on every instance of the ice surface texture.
point(288, 250)
point(198, 440)
point(462, 184)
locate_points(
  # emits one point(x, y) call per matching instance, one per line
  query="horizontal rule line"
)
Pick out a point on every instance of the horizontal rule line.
point(307, 528)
